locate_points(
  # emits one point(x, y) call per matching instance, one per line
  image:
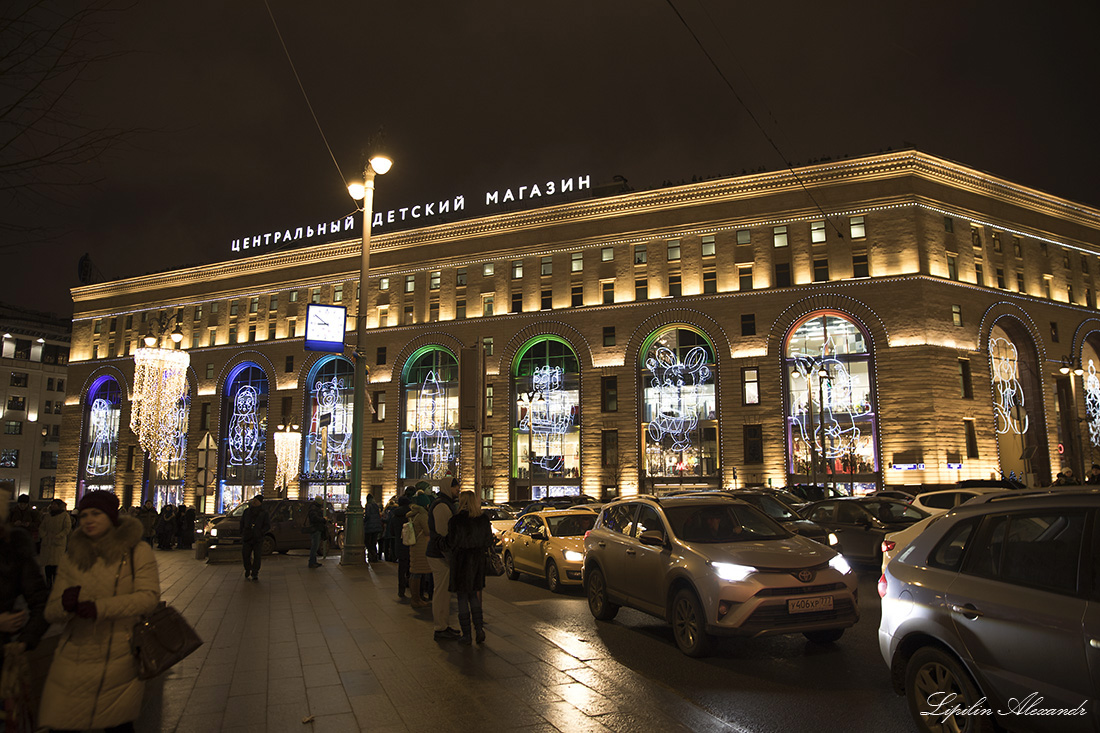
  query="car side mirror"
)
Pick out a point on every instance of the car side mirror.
point(652, 537)
point(539, 534)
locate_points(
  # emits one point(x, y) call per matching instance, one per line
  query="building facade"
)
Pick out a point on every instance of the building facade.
point(893, 319)
point(34, 356)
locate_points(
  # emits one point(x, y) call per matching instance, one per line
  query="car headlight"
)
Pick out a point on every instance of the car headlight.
point(840, 565)
point(213, 531)
point(732, 571)
point(832, 538)
point(573, 556)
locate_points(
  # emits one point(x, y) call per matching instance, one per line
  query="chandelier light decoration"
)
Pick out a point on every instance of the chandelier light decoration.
point(160, 383)
point(288, 452)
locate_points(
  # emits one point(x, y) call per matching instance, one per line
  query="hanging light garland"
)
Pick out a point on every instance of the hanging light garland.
point(288, 451)
point(160, 382)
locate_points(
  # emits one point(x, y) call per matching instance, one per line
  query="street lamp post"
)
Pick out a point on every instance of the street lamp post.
point(354, 552)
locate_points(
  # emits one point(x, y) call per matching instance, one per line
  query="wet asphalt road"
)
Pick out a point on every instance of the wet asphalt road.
point(779, 684)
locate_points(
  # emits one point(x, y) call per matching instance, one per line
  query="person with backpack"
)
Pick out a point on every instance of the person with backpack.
point(418, 560)
point(255, 524)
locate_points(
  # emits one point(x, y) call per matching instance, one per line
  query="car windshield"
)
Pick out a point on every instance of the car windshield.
point(496, 513)
point(774, 508)
point(238, 510)
point(892, 511)
point(570, 525)
point(721, 523)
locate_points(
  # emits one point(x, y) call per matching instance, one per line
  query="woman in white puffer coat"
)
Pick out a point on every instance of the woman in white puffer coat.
point(106, 581)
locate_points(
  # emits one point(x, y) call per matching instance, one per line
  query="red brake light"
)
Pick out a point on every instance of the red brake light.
point(882, 586)
point(587, 532)
point(888, 545)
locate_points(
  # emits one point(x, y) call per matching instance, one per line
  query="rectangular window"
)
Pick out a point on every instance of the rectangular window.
point(1046, 286)
point(576, 262)
point(744, 236)
point(966, 386)
point(517, 303)
point(9, 458)
point(380, 355)
point(517, 270)
point(952, 267)
point(488, 400)
point(211, 336)
point(1084, 264)
point(487, 451)
point(979, 273)
point(252, 332)
point(409, 319)
point(254, 305)
point(204, 416)
point(288, 365)
point(379, 407)
point(97, 326)
point(546, 266)
point(957, 315)
point(233, 335)
point(750, 386)
point(377, 453)
point(383, 283)
point(486, 305)
point(61, 385)
point(609, 448)
point(338, 294)
point(17, 403)
point(273, 304)
point(641, 255)
point(1017, 247)
point(410, 283)
point(293, 299)
point(315, 295)
point(488, 269)
point(971, 439)
point(433, 312)
point(608, 291)
point(487, 345)
point(460, 308)
point(752, 441)
point(19, 379)
point(1001, 278)
point(996, 237)
point(857, 227)
point(48, 460)
point(234, 307)
point(707, 244)
point(198, 313)
point(748, 324)
point(49, 384)
point(1054, 331)
point(673, 250)
point(948, 224)
point(710, 282)
point(609, 394)
point(460, 277)
point(744, 277)
point(821, 270)
point(209, 370)
point(271, 331)
point(114, 324)
point(547, 300)
point(817, 231)
point(782, 275)
point(1069, 294)
point(608, 335)
point(576, 296)
point(433, 280)
point(607, 254)
point(860, 267)
point(13, 427)
point(641, 289)
point(779, 236)
point(675, 286)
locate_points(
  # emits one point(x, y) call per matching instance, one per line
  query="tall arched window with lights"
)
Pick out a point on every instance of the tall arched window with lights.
point(430, 437)
point(326, 459)
point(546, 450)
point(679, 429)
point(1017, 386)
point(831, 426)
point(168, 475)
point(244, 431)
point(99, 438)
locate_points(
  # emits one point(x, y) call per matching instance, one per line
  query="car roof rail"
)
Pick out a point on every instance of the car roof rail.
point(1009, 494)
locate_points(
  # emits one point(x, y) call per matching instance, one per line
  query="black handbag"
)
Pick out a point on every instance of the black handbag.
point(161, 638)
point(494, 565)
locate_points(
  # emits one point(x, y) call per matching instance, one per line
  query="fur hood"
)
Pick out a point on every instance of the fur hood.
point(112, 547)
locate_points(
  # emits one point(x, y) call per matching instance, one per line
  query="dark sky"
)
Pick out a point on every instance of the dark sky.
point(492, 94)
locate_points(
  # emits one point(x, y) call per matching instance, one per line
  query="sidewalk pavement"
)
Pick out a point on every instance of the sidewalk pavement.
point(334, 644)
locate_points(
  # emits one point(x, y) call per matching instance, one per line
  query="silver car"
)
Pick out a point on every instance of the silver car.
point(992, 615)
point(714, 565)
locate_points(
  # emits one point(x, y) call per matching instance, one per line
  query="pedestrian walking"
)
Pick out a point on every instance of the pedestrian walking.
point(439, 560)
point(255, 524)
point(470, 535)
point(147, 515)
point(106, 581)
point(315, 520)
point(185, 527)
point(418, 559)
point(372, 527)
point(54, 530)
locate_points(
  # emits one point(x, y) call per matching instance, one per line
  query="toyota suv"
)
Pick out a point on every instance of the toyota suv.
point(991, 615)
point(713, 565)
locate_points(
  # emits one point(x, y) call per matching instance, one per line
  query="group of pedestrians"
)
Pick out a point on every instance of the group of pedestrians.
point(172, 528)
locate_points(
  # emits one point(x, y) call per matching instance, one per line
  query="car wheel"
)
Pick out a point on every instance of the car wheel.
point(553, 580)
point(933, 675)
point(689, 624)
point(268, 546)
point(828, 636)
point(596, 587)
point(510, 567)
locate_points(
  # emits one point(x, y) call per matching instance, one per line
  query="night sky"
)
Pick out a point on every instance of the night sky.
point(489, 95)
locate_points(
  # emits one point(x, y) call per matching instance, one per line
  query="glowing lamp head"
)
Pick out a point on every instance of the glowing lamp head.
point(150, 340)
point(357, 190)
point(381, 164)
point(177, 334)
point(1078, 371)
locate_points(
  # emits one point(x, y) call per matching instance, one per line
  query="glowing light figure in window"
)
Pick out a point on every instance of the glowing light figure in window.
point(431, 444)
point(244, 427)
point(833, 411)
point(326, 397)
point(104, 427)
point(549, 416)
point(175, 440)
point(1092, 403)
point(676, 404)
point(1008, 395)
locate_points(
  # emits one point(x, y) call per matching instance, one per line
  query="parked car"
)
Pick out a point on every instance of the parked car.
point(712, 565)
point(894, 494)
point(500, 517)
point(560, 502)
point(548, 544)
point(895, 542)
point(289, 530)
point(937, 502)
point(861, 523)
point(766, 502)
point(990, 615)
point(810, 492)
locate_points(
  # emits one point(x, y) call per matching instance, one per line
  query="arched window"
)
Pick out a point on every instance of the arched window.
point(831, 431)
point(244, 431)
point(1090, 364)
point(679, 419)
point(429, 432)
point(546, 451)
point(330, 396)
point(1017, 402)
point(99, 443)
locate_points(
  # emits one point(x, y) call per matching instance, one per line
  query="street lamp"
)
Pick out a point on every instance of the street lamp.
point(354, 550)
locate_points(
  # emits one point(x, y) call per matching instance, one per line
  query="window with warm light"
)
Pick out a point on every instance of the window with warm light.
point(817, 232)
point(857, 227)
point(779, 236)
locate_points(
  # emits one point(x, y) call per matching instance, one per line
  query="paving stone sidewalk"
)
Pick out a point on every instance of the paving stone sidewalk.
point(335, 645)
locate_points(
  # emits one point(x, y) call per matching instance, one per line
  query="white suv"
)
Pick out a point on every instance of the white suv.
point(715, 565)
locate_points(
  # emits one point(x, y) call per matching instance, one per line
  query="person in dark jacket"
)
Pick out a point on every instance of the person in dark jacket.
point(469, 535)
point(372, 527)
point(315, 520)
point(19, 578)
point(396, 522)
point(255, 524)
point(185, 527)
point(166, 527)
point(439, 560)
point(147, 515)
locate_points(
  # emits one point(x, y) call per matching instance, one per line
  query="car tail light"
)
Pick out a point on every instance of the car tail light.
point(882, 586)
point(888, 546)
point(587, 532)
